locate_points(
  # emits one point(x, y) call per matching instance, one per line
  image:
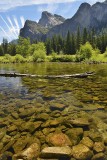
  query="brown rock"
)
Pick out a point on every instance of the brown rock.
point(57, 106)
point(29, 154)
point(99, 156)
point(81, 152)
point(59, 139)
point(80, 122)
point(87, 142)
point(99, 147)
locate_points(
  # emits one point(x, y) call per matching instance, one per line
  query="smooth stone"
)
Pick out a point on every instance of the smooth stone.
point(30, 153)
point(57, 106)
point(58, 139)
point(75, 135)
point(81, 152)
point(99, 156)
point(56, 152)
point(99, 147)
point(87, 142)
point(15, 115)
point(81, 122)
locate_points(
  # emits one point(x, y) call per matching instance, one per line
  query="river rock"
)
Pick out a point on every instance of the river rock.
point(56, 152)
point(99, 147)
point(15, 115)
point(81, 122)
point(8, 145)
point(20, 144)
point(93, 135)
point(2, 133)
point(87, 142)
point(11, 128)
point(58, 139)
point(99, 156)
point(26, 112)
point(75, 135)
point(57, 106)
point(81, 152)
point(42, 117)
point(30, 153)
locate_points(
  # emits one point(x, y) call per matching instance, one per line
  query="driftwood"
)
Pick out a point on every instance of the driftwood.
point(81, 75)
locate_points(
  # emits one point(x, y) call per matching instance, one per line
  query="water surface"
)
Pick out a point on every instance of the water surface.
point(88, 94)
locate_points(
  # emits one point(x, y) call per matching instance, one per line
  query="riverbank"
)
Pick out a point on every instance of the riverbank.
point(52, 58)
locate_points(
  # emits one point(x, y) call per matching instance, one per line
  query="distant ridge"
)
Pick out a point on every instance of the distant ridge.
point(87, 16)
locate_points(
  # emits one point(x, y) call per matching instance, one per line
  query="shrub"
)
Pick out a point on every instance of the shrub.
point(85, 52)
point(39, 56)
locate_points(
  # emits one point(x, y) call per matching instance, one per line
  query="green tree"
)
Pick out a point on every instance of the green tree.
point(23, 46)
point(5, 45)
point(78, 39)
point(85, 34)
point(68, 47)
point(40, 52)
point(85, 52)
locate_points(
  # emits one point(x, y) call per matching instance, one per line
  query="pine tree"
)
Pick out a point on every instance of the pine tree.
point(78, 39)
point(85, 34)
point(68, 47)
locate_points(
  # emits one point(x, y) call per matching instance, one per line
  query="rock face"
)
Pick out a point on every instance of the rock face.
point(87, 16)
point(33, 30)
point(49, 20)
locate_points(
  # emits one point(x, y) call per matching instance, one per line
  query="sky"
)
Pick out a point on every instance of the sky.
point(14, 13)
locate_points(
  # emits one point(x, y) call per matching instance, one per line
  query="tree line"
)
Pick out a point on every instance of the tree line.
point(72, 42)
point(57, 44)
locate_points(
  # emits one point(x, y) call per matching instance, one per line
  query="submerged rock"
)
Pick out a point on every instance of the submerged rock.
point(99, 156)
point(87, 142)
point(30, 153)
point(58, 139)
point(57, 106)
point(81, 152)
point(81, 122)
point(56, 152)
point(99, 147)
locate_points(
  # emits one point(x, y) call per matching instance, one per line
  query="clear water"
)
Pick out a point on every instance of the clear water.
point(88, 94)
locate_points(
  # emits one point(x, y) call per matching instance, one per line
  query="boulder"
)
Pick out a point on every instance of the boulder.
point(58, 139)
point(81, 122)
point(99, 156)
point(75, 135)
point(81, 152)
point(57, 106)
point(15, 115)
point(87, 142)
point(30, 153)
point(26, 112)
point(99, 147)
point(56, 152)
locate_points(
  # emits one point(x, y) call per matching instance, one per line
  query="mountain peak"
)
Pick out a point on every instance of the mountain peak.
point(49, 20)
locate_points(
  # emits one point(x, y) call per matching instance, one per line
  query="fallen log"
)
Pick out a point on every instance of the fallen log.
point(79, 75)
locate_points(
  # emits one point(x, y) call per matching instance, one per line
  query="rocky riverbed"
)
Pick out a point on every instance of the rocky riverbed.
point(54, 132)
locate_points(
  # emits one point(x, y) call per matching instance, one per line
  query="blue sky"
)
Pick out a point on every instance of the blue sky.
point(14, 13)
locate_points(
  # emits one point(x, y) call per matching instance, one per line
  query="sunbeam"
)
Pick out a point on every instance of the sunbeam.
point(22, 21)
point(4, 32)
point(7, 26)
point(14, 30)
point(17, 24)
